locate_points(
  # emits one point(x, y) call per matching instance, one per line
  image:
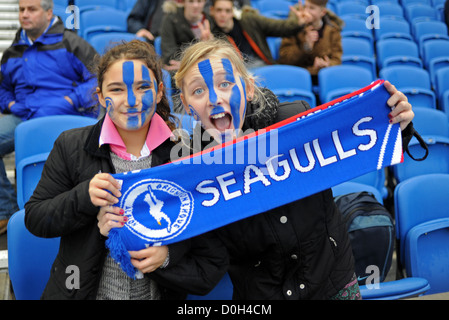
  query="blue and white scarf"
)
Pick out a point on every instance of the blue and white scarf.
point(313, 151)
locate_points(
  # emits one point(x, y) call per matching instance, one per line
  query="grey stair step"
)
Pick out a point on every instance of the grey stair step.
point(6, 7)
point(7, 34)
point(9, 15)
point(9, 24)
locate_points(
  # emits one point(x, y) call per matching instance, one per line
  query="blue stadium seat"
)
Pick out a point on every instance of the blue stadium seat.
point(390, 9)
point(422, 221)
point(278, 8)
point(441, 88)
point(356, 28)
point(336, 81)
point(394, 290)
point(351, 9)
point(420, 12)
point(33, 142)
point(430, 122)
point(393, 28)
point(358, 52)
point(95, 5)
point(414, 82)
point(428, 30)
point(103, 41)
point(437, 160)
point(288, 82)
point(394, 51)
point(435, 56)
point(125, 5)
point(101, 21)
point(29, 259)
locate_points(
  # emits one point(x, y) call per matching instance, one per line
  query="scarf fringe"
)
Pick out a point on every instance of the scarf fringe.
point(120, 254)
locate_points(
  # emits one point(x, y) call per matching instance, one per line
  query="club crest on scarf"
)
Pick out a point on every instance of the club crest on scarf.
point(152, 219)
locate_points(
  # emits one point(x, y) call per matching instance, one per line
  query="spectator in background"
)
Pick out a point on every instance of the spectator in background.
point(319, 44)
point(44, 72)
point(145, 18)
point(248, 33)
point(181, 25)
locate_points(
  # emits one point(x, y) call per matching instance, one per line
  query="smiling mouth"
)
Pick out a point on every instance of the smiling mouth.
point(221, 121)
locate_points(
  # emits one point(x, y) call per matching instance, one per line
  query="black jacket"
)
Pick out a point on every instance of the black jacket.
point(61, 207)
point(297, 251)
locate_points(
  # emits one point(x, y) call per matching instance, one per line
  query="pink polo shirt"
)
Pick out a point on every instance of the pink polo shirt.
point(157, 134)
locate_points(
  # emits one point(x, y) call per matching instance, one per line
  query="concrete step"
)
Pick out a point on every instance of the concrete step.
point(4, 44)
point(9, 24)
point(7, 34)
point(9, 15)
point(9, 7)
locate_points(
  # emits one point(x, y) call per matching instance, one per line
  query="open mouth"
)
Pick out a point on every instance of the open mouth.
point(222, 121)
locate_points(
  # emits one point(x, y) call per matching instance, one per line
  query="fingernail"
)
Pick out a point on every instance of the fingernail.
point(390, 116)
point(122, 212)
point(391, 121)
point(125, 219)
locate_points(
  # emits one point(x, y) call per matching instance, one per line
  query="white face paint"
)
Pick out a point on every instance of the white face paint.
point(216, 95)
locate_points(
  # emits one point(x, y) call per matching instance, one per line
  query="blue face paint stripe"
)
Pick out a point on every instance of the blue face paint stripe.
point(236, 96)
point(208, 76)
point(148, 107)
point(128, 79)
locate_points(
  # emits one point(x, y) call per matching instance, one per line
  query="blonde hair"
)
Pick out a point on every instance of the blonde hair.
point(211, 48)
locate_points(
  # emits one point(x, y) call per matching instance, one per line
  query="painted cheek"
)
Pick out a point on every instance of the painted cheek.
point(148, 99)
point(110, 107)
point(194, 114)
point(236, 96)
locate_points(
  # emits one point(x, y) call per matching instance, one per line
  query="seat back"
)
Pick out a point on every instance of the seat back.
point(422, 221)
point(393, 28)
point(437, 160)
point(430, 122)
point(29, 259)
point(103, 41)
point(413, 81)
point(339, 80)
point(394, 51)
point(100, 21)
point(285, 80)
point(33, 142)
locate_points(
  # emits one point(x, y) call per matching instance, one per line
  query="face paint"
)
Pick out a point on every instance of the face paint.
point(128, 79)
point(139, 95)
point(148, 98)
point(236, 97)
point(208, 76)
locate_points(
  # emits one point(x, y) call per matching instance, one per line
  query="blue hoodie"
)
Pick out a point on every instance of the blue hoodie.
point(37, 75)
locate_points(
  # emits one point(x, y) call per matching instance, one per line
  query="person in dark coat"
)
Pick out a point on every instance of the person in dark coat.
point(75, 198)
point(300, 250)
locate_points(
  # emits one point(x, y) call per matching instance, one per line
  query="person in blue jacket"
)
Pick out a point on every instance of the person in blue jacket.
point(44, 72)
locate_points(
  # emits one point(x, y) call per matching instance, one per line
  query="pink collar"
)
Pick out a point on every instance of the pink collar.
point(157, 134)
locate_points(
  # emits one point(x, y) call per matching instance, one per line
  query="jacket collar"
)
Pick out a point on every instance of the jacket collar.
point(51, 35)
